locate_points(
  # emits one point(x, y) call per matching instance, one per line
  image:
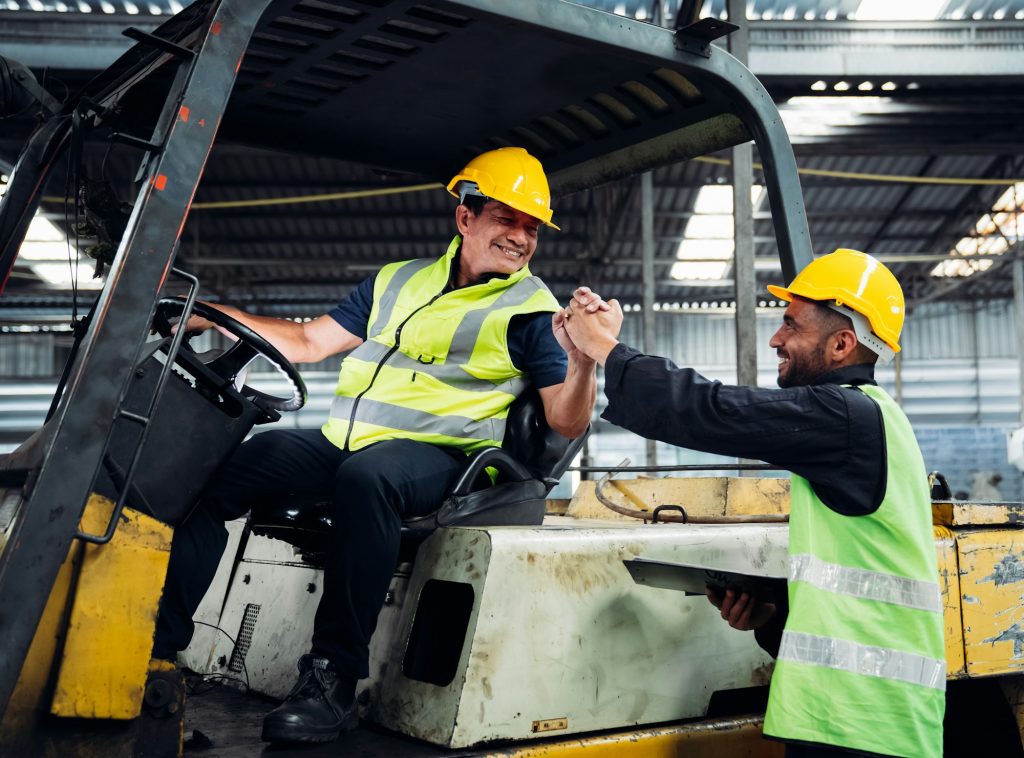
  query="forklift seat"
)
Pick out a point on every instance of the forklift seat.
point(497, 486)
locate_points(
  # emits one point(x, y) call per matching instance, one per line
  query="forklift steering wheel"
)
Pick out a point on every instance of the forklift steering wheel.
point(228, 364)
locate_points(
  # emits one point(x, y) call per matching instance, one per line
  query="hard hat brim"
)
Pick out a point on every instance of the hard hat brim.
point(781, 292)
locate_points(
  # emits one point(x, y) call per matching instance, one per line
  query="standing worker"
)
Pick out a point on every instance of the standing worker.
point(861, 661)
point(440, 348)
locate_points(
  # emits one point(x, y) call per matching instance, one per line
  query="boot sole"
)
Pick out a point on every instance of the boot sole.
point(289, 733)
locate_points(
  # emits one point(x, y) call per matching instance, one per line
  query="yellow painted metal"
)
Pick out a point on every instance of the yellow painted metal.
point(992, 591)
point(757, 495)
point(949, 583)
point(977, 514)
point(700, 496)
point(736, 737)
point(110, 628)
point(23, 710)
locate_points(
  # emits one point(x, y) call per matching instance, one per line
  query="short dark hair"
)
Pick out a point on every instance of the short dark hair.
point(475, 203)
point(832, 320)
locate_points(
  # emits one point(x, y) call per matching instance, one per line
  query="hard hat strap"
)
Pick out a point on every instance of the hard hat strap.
point(866, 337)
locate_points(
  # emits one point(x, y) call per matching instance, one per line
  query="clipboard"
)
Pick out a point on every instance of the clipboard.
point(692, 579)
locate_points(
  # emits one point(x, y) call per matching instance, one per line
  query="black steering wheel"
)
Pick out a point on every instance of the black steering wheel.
point(226, 366)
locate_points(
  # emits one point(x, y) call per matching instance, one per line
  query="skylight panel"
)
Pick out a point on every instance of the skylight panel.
point(992, 235)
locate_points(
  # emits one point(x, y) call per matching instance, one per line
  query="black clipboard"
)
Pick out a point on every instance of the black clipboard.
point(692, 579)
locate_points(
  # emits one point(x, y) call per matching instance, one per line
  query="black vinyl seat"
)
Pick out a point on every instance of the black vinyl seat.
point(528, 465)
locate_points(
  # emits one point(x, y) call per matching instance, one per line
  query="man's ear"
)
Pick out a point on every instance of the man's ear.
point(844, 344)
point(462, 214)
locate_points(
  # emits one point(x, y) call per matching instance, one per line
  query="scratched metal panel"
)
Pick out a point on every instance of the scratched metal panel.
point(952, 619)
point(992, 593)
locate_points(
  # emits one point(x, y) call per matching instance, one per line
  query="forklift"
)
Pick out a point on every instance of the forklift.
point(518, 638)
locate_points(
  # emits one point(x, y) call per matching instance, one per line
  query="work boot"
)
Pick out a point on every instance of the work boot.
point(319, 708)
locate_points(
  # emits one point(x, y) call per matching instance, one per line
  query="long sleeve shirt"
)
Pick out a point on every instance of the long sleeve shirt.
point(827, 432)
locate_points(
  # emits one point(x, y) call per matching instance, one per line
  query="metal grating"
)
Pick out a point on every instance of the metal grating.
point(237, 663)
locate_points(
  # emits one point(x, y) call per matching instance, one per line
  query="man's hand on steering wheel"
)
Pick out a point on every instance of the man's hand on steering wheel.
point(248, 345)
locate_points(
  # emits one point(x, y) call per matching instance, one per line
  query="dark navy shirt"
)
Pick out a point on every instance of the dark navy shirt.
point(531, 344)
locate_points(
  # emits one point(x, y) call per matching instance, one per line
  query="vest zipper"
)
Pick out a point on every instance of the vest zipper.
point(380, 365)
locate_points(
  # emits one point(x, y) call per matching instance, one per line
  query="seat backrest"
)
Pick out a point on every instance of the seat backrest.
point(545, 453)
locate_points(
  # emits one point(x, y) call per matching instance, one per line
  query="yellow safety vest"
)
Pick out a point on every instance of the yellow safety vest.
point(862, 662)
point(435, 365)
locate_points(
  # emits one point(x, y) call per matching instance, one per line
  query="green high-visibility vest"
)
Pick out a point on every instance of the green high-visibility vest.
point(435, 365)
point(862, 662)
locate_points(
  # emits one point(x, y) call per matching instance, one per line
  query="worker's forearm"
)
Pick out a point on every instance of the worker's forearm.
point(575, 402)
point(287, 336)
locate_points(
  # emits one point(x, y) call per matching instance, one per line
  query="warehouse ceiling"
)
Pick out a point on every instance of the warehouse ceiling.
point(907, 133)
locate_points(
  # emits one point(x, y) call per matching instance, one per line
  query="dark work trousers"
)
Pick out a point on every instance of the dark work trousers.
point(371, 491)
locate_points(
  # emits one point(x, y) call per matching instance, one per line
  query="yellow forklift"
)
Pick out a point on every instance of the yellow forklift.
point(88, 505)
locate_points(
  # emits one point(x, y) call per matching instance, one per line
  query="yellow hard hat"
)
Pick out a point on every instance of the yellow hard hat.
point(509, 175)
point(855, 281)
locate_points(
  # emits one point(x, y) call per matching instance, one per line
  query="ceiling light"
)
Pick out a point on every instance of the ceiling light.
point(709, 226)
point(59, 275)
point(717, 198)
point(887, 10)
point(819, 86)
point(865, 86)
point(705, 251)
point(841, 86)
point(889, 86)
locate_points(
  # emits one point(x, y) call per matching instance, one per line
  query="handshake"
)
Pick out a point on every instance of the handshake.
point(588, 327)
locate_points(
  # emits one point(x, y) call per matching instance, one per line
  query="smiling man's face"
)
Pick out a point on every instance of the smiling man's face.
point(501, 240)
point(801, 345)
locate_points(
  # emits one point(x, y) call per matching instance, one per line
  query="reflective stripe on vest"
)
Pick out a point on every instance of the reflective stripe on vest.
point(397, 417)
point(454, 375)
point(398, 280)
point(863, 659)
point(872, 585)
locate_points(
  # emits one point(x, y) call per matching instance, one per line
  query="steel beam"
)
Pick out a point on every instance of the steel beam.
point(647, 233)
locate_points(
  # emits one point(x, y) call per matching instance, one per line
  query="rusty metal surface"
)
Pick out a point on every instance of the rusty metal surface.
point(952, 618)
point(959, 513)
point(992, 588)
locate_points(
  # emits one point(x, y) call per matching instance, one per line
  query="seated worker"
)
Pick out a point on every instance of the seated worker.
point(861, 666)
point(440, 349)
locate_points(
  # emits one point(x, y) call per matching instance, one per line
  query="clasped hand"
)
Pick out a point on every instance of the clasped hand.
point(588, 327)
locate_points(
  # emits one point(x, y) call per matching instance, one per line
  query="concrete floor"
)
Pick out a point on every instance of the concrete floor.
point(222, 722)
